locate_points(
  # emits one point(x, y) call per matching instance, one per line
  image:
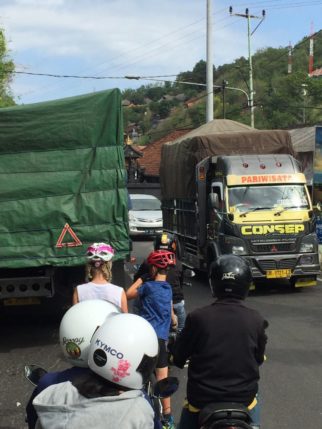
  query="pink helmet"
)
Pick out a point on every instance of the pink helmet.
point(97, 251)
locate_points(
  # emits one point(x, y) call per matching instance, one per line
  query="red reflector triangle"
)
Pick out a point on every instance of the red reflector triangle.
point(65, 230)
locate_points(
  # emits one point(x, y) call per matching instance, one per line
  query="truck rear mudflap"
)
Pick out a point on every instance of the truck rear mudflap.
point(300, 269)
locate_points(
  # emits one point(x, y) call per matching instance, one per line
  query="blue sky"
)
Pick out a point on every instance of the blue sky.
point(117, 38)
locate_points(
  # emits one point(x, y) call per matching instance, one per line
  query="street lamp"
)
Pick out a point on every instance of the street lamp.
point(241, 90)
point(223, 86)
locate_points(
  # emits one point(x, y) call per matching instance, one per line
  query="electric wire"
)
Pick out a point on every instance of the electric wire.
point(258, 4)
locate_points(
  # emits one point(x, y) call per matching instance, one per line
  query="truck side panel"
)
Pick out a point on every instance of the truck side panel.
point(62, 162)
point(62, 187)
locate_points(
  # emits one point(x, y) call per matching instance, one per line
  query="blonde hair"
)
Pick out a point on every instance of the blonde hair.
point(105, 268)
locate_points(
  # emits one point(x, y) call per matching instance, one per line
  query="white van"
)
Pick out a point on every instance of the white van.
point(145, 215)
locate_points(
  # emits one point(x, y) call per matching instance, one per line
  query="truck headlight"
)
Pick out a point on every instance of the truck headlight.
point(307, 248)
point(306, 260)
point(234, 245)
point(309, 244)
point(238, 250)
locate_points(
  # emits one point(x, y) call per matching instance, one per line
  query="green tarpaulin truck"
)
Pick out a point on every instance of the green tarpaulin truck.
point(62, 187)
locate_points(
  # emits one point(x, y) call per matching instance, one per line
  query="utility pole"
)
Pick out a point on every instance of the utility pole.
point(289, 60)
point(311, 55)
point(304, 94)
point(223, 89)
point(250, 65)
point(210, 79)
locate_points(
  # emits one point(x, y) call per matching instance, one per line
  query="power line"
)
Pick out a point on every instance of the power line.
point(157, 49)
point(269, 4)
point(63, 76)
point(57, 75)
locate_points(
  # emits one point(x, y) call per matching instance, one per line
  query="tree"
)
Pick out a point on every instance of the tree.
point(281, 99)
point(197, 114)
point(6, 70)
point(155, 92)
point(197, 75)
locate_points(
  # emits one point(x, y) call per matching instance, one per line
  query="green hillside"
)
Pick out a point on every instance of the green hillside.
point(281, 100)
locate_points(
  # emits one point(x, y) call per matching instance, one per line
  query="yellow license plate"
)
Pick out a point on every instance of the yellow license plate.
point(278, 274)
point(22, 301)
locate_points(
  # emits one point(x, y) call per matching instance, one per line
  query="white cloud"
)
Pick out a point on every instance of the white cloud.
point(95, 28)
point(118, 37)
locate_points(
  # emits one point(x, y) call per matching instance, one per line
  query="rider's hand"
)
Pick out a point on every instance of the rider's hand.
point(145, 277)
point(174, 322)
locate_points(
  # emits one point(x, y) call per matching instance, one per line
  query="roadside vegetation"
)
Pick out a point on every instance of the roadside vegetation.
point(6, 69)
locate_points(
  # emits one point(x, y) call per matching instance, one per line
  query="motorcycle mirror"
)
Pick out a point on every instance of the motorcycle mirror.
point(165, 387)
point(33, 373)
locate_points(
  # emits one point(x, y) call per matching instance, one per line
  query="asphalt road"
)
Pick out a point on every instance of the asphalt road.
point(291, 378)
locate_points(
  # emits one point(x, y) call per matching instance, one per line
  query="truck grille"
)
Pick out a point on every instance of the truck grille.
point(271, 264)
point(273, 247)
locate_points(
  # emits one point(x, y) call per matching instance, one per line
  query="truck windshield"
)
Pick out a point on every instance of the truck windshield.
point(284, 197)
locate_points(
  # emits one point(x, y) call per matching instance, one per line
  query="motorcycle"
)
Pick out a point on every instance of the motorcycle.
point(225, 415)
point(33, 373)
point(155, 390)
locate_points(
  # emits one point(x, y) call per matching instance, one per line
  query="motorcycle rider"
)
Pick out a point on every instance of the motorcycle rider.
point(156, 307)
point(75, 332)
point(122, 356)
point(167, 241)
point(225, 344)
point(99, 273)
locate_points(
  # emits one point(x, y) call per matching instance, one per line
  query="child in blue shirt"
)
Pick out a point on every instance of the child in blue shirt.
point(156, 307)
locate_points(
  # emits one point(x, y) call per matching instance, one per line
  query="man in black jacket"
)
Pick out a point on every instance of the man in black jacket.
point(225, 344)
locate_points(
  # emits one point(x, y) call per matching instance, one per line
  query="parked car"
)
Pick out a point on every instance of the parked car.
point(145, 215)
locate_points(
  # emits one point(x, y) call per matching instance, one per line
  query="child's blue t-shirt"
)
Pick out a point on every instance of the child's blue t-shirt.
point(156, 297)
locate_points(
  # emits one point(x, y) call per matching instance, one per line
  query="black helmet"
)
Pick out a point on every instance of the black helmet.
point(230, 276)
point(165, 241)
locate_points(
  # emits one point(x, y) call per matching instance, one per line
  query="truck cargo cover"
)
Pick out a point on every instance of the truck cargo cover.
point(63, 180)
point(179, 160)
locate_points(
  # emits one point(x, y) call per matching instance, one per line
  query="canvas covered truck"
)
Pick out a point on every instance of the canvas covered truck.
point(241, 193)
point(62, 187)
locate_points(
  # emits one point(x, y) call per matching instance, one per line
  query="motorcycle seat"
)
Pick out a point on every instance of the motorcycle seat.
point(223, 411)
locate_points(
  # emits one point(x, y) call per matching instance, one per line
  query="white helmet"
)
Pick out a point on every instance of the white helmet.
point(97, 251)
point(124, 350)
point(78, 326)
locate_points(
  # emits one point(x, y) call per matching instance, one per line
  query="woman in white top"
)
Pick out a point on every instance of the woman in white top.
point(99, 274)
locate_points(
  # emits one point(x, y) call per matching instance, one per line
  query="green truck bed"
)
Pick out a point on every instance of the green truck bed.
point(62, 180)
